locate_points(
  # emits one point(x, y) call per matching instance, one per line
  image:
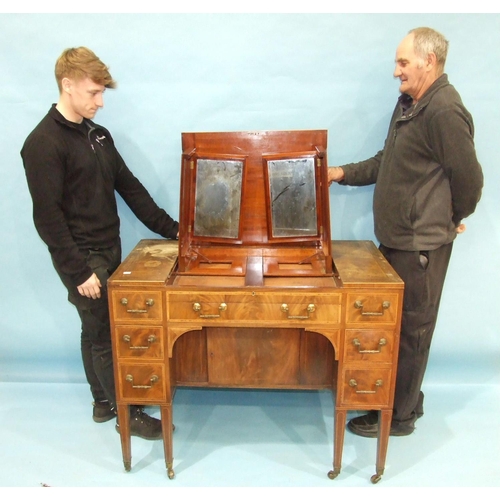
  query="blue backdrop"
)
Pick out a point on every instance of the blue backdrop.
point(226, 72)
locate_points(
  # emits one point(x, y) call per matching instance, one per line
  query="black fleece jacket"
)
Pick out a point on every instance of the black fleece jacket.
point(427, 178)
point(73, 171)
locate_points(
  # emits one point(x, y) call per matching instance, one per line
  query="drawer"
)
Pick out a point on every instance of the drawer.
point(366, 387)
point(144, 342)
point(372, 308)
point(254, 307)
point(137, 306)
point(368, 345)
point(142, 382)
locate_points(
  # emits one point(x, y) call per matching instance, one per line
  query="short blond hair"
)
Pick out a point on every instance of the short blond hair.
point(79, 63)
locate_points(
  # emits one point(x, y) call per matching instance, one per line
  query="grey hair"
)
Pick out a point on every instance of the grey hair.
point(426, 41)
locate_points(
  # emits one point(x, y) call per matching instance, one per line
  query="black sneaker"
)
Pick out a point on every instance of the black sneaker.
point(367, 426)
point(102, 411)
point(142, 425)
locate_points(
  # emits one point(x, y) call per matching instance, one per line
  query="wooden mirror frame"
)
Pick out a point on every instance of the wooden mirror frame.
point(255, 150)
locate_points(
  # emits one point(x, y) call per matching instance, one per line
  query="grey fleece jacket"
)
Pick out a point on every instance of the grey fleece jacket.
point(427, 178)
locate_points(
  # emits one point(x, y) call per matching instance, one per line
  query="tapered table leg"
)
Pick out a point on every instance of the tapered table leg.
point(167, 430)
point(338, 442)
point(384, 430)
point(123, 412)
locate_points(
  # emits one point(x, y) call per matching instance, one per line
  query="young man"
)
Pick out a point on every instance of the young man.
point(73, 170)
point(427, 179)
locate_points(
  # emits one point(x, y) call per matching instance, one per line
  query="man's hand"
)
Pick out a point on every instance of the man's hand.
point(91, 288)
point(460, 228)
point(335, 174)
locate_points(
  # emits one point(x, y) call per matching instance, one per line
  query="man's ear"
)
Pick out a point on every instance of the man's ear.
point(431, 61)
point(66, 85)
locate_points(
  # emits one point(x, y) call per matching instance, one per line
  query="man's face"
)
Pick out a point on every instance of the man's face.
point(85, 97)
point(411, 70)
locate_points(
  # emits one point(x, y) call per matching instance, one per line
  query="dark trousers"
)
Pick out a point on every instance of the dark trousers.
point(96, 348)
point(423, 273)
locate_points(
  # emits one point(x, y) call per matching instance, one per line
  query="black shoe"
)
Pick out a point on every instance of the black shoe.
point(367, 426)
point(142, 425)
point(102, 411)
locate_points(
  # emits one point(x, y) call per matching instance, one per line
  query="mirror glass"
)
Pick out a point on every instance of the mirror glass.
point(218, 198)
point(292, 188)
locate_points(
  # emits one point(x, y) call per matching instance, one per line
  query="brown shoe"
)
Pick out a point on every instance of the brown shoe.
point(142, 425)
point(102, 411)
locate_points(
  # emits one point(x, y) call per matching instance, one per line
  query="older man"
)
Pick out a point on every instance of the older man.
point(427, 179)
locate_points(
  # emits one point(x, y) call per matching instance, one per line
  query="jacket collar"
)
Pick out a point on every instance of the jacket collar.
point(405, 100)
point(57, 116)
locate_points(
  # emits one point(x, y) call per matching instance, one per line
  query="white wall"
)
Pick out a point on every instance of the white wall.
point(215, 72)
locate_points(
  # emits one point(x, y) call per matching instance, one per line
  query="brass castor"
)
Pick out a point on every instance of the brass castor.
point(333, 473)
point(375, 478)
point(127, 466)
point(170, 473)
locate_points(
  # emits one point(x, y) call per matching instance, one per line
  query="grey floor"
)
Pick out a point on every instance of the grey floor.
point(243, 438)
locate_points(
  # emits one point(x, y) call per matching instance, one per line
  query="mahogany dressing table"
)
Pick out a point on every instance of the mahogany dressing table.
point(255, 294)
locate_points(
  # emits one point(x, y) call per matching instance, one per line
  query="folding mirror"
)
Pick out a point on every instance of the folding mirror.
point(218, 198)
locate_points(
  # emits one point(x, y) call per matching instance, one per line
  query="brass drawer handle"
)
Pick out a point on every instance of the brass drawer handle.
point(353, 383)
point(310, 309)
point(149, 303)
point(151, 339)
point(153, 380)
point(382, 342)
point(359, 305)
point(197, 308)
